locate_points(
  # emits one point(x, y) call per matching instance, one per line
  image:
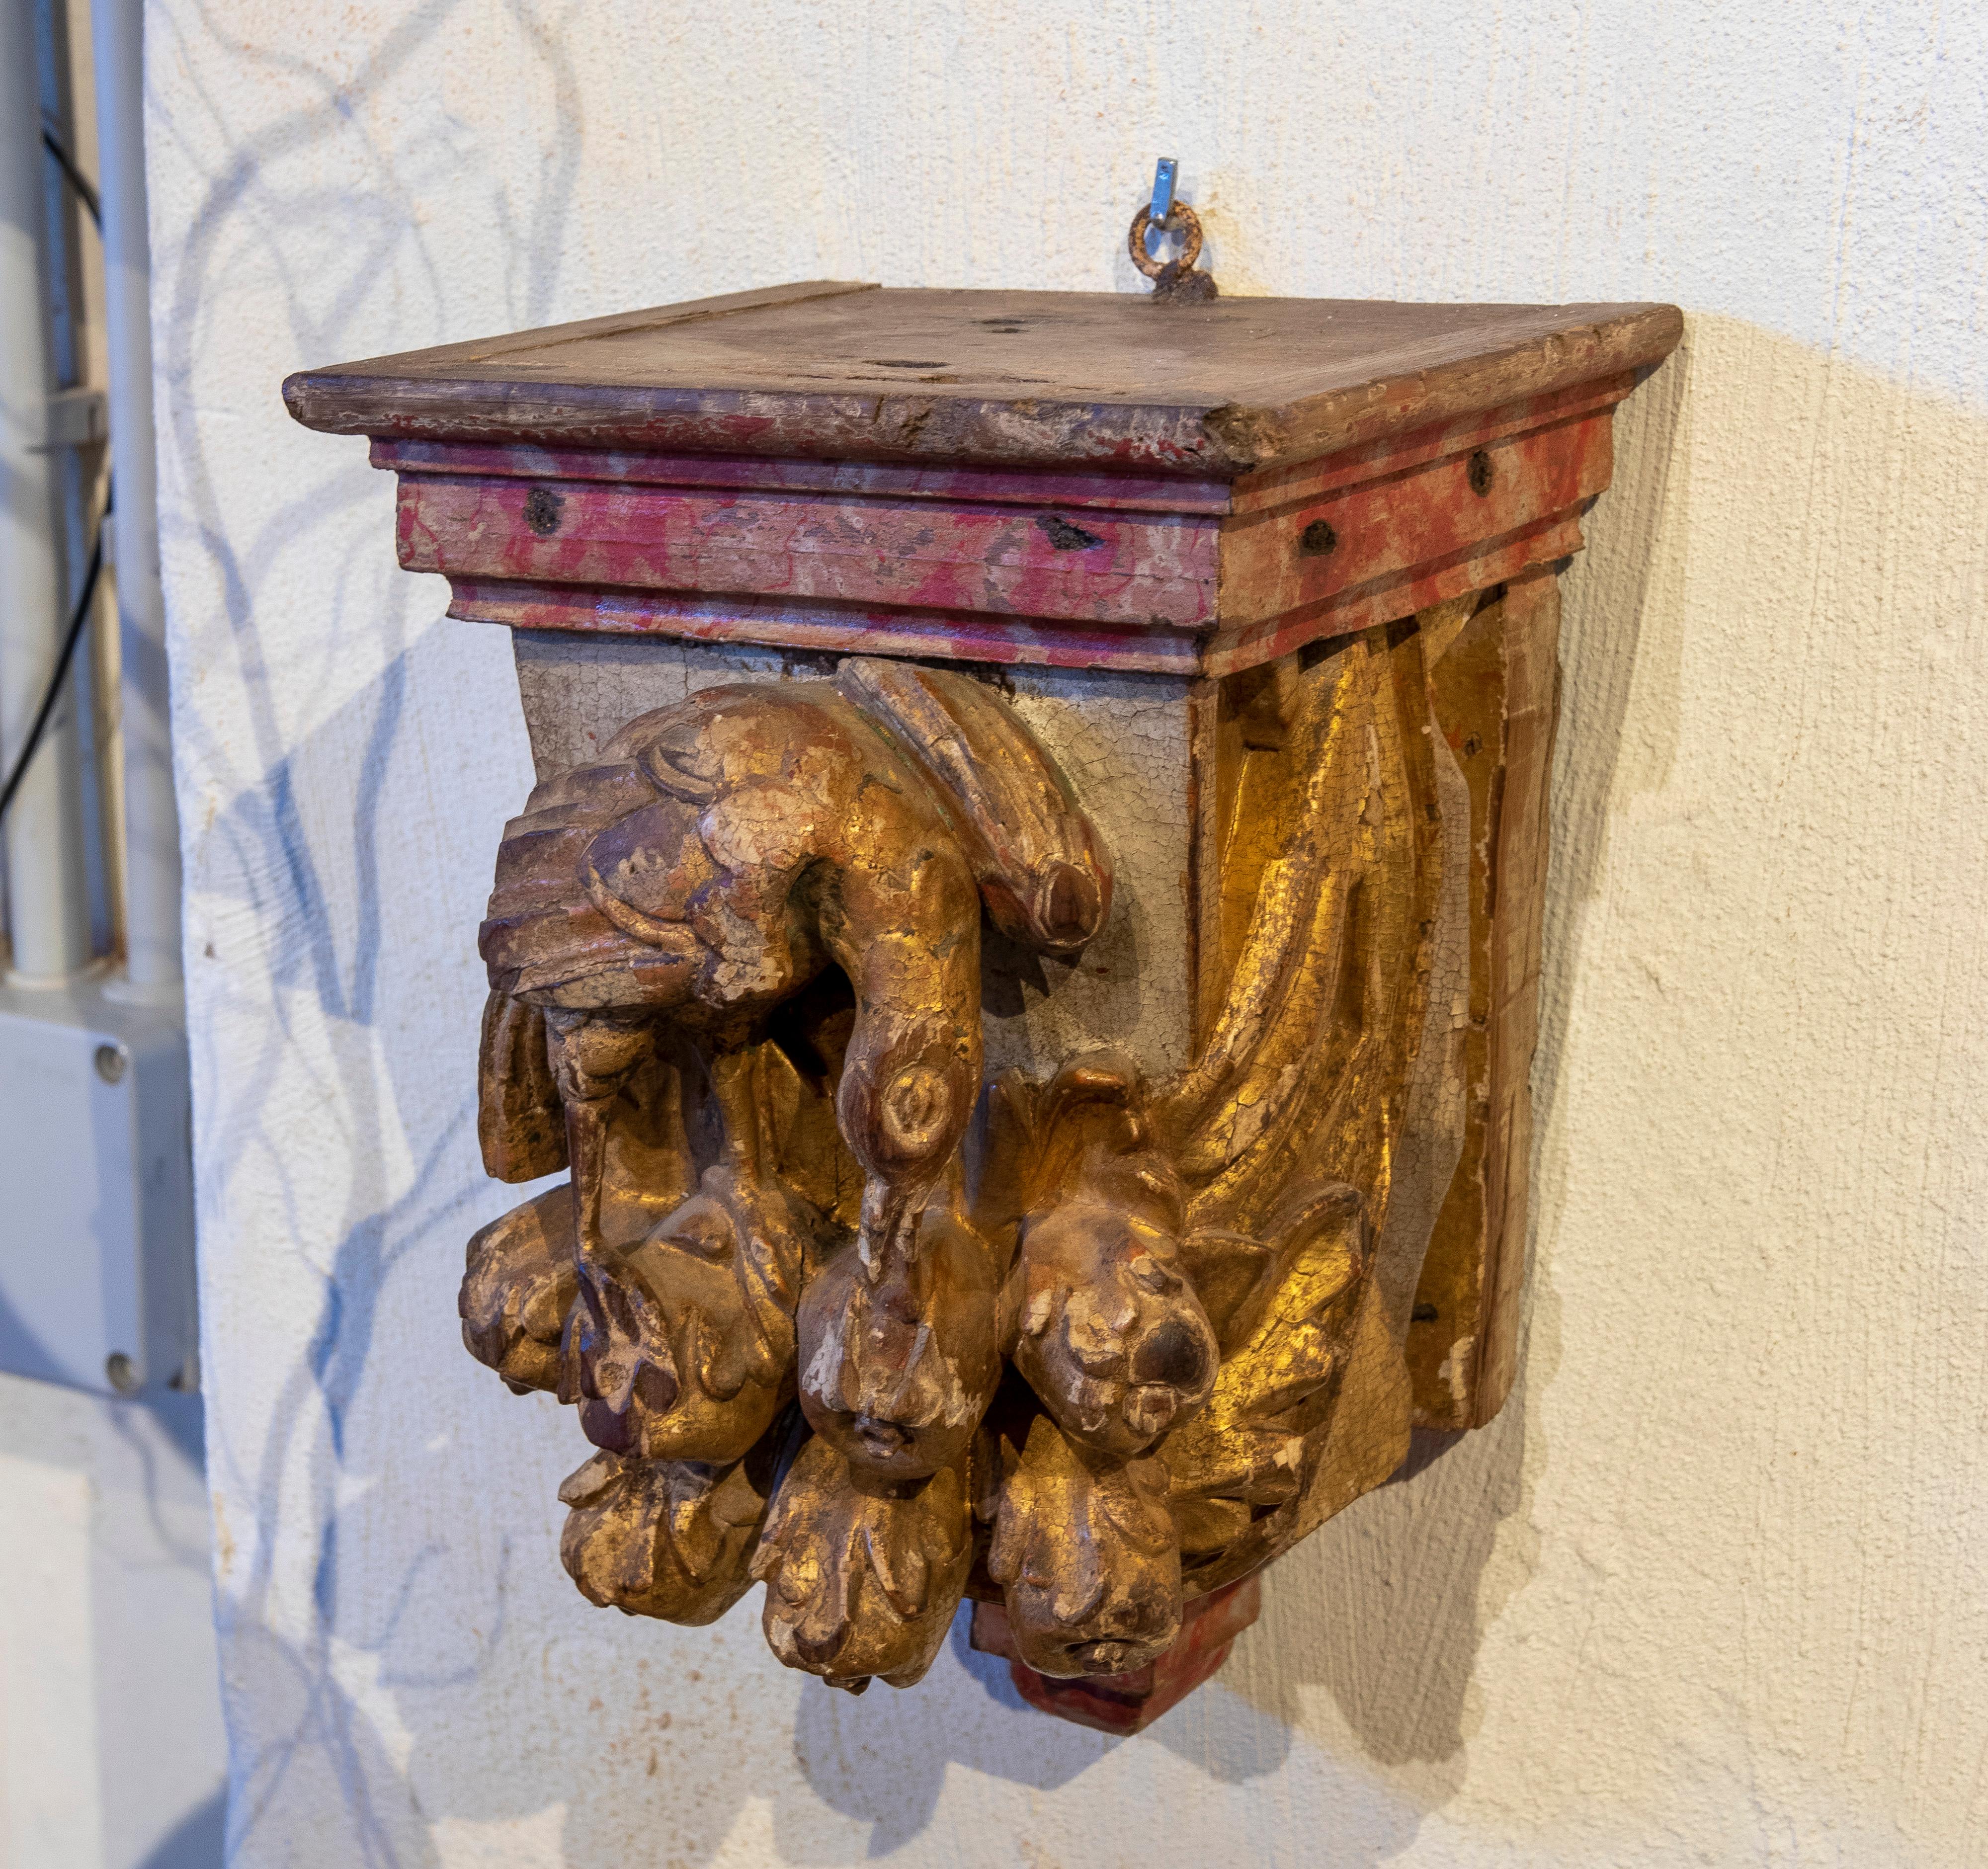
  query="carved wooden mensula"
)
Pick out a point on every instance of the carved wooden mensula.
point(1041, 1057)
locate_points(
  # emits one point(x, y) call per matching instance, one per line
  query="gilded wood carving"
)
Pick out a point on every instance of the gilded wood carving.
point(842, 1311)
point(840, 1318)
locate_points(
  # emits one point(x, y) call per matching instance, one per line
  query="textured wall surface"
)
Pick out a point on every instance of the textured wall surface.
point(1713, 1589)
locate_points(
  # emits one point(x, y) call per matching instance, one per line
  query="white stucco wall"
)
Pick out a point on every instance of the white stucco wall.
point(1713, 1589)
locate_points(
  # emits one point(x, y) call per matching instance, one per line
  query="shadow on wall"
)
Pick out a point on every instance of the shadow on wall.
point(196, 1841)
point(1371, 1627)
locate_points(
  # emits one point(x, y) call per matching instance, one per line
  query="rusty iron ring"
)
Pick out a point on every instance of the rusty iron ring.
point(1181, 220)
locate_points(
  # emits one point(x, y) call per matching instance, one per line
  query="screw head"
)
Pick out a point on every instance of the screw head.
point(122, 1373)
point(112, 1061)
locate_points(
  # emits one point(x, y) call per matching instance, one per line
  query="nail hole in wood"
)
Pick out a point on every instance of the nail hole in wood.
point(542, 510)
point(1065, 536)
point(1481, 473)
point(1317, 539)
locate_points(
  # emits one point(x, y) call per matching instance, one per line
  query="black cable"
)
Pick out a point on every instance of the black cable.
point(78, 619)
point(77, 179)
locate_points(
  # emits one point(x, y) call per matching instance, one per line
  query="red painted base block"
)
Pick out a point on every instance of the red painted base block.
point(1125, 1703)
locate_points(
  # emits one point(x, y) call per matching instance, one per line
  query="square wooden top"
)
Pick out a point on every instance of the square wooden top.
point(827, 370)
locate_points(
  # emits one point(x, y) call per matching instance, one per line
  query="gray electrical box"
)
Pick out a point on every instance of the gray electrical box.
point(97, 1261)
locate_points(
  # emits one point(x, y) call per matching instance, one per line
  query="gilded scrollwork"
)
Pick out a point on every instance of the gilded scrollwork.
point(839, 1317)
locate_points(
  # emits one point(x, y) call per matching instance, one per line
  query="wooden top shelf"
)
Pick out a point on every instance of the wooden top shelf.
point(834, 371)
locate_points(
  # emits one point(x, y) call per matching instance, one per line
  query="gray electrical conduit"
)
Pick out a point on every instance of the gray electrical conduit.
point(151, 818)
